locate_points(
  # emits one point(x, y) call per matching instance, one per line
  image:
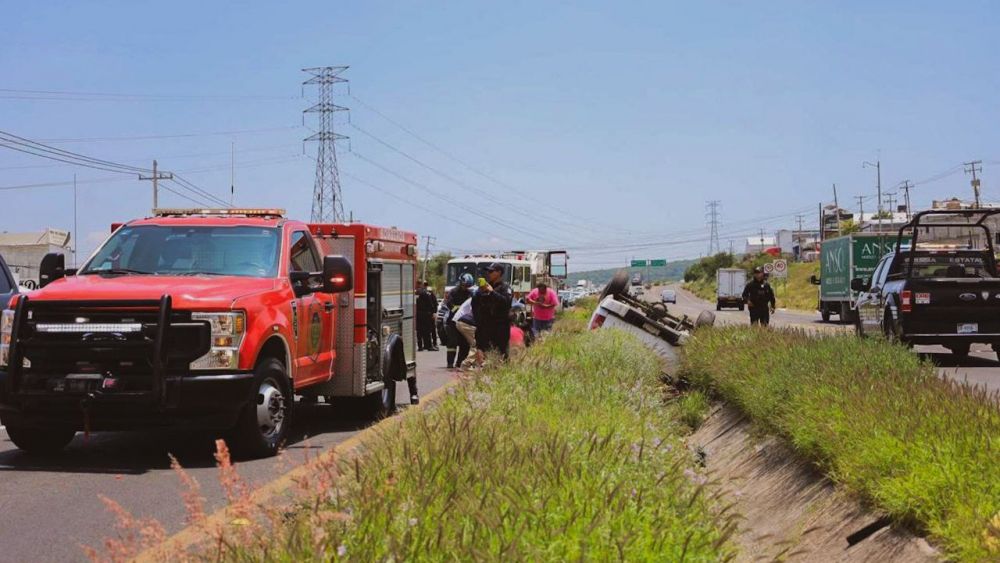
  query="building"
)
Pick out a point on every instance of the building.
point(758, 244)
point(23, 252)
point(790, 240)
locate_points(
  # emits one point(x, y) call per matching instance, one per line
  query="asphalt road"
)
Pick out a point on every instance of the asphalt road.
point(981, 368)
point(50, 506)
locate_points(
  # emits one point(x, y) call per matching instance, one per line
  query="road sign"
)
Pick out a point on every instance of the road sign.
point(769, 268)
point(639, 263)
point(780, 268)
point(655, 263)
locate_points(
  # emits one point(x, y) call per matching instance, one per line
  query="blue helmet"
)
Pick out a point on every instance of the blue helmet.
point(466, 280)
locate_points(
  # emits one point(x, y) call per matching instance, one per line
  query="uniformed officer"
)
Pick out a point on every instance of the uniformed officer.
point(491, 309)
point(759, 298)
point(426, 308)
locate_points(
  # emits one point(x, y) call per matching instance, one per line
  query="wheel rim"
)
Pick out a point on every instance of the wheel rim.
point(270, 408)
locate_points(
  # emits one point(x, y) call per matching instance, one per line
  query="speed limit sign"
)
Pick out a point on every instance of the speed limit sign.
point(769, 268)
point(780, 269)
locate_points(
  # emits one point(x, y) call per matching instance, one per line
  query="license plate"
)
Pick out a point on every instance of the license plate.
point(968, 328)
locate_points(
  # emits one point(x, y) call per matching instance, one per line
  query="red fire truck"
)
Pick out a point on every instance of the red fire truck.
point(211, 319)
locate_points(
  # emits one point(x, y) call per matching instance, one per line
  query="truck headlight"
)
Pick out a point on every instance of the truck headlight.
point(6, 329)
point(227, 335)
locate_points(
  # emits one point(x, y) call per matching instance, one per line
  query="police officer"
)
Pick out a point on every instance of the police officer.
point(759, 298)
point(426, 308)
point(491, 309)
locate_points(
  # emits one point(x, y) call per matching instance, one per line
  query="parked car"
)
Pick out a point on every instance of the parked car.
point(668, 296)
point(8, 285)
point(934, 294)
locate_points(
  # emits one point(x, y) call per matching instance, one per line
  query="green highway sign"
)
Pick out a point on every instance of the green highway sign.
point(638, 263)
point(655, 263)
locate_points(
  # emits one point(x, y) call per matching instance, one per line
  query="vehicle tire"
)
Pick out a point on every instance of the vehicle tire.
point(40, 440)
point(824, 313)
point(705, 318)
point(659, 311)
point(859, 328)
point(618, 284)
point(846, 313)
point(382, 404)
point(263, 424)
point(718, 306)
point(960, 351)
point(742, 307)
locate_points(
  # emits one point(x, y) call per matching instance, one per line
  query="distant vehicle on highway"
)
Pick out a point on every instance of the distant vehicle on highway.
point(668, 296)
point(841, 260)
point(8, 285)
point(729, 283)
point(934, 294)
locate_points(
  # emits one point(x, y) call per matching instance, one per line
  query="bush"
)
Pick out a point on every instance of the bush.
point(876, 417)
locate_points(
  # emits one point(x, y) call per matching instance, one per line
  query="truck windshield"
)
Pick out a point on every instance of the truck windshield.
point(477, 269)
point(186, 250)
point(945, 265)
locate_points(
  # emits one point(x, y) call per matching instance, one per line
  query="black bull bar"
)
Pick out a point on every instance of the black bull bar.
point(188, 340)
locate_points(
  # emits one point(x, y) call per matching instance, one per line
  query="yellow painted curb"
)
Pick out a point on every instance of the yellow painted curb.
point(348, 449)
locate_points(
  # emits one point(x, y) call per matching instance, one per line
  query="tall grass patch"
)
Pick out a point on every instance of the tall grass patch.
point(876, 417)
point(563, 454)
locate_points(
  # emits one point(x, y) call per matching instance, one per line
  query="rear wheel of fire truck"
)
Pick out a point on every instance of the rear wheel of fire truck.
point(618, 284)
point(383, 403)
point(40, 440)
point(263, 424)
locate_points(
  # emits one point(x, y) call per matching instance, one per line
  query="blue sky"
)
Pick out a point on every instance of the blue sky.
point(602, 124)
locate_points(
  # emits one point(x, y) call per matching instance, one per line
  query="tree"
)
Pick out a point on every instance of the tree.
point(849, 226)
point(436, 271)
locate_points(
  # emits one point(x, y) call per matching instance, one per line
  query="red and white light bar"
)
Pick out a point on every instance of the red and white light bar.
point(221, 212)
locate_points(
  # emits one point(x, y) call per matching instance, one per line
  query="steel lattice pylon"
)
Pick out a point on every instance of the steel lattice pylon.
point(327, 206)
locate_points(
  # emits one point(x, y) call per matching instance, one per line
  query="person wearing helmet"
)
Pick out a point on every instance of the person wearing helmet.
point(759, 298)
point(457, 346)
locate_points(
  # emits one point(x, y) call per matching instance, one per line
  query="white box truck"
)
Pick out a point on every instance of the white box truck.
point(729, 283)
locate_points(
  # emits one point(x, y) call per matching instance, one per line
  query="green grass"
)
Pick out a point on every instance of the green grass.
point(569, 452)
point(877, 418)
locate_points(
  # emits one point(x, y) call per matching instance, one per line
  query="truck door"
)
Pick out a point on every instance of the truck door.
point(312, 316)
point(870, 303)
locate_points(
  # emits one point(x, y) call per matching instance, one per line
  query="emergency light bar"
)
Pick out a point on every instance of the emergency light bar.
point(221, 212)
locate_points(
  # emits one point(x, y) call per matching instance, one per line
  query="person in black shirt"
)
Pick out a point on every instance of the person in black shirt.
point(491, 309)
point(427, 305)
point(759, 298)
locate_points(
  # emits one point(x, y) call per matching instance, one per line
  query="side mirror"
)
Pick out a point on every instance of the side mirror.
point(53, 267)
point(813, 279)
point(858, 284)
point(338, 274)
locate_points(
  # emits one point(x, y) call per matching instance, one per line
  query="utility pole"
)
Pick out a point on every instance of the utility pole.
point(836, 208)
point(762, 240)
point(890, 200)
point(972, 168)
point(76, 241)
point(731, 253)
point(327, 204)
point(798, 232)
point(428, 240)
point(878, 186)
point(861, 209)
point(905, 186)
point(156, 177)
point(713, 221)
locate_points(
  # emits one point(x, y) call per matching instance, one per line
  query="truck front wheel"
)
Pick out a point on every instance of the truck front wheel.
point(40, 440)
point(263, 423)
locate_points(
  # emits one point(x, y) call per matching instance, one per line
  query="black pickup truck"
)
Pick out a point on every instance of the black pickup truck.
point(8, 286)
point(947, 294)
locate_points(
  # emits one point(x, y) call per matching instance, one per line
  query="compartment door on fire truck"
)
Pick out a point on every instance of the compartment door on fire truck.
point(312, 313)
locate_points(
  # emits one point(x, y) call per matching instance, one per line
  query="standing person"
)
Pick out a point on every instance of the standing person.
point(465, 324)
point(759, 298)
point(455, 298)
point(543, 303)
point(491, 310)
point(426, 307)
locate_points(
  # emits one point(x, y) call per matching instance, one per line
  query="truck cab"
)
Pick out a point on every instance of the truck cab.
point(209, 319)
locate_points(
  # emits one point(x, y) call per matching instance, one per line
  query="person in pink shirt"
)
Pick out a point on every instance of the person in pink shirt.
point(544, 302)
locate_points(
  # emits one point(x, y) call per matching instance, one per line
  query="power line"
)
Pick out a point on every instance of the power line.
point(169, 136)
point(16, 93)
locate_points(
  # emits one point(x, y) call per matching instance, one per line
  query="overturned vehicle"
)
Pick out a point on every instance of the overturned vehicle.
point(651, 322)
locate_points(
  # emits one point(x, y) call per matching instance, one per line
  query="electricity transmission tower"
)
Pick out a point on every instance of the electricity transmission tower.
point(713, 222)
point(327, 204)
